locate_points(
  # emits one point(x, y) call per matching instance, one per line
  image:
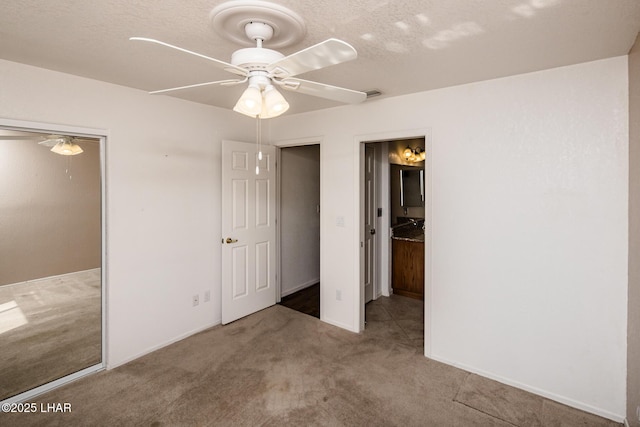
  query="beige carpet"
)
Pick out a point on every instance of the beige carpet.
point(49, 328)
point(280, 367)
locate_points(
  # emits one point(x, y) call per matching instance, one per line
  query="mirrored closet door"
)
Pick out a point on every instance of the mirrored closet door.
point(50, 258)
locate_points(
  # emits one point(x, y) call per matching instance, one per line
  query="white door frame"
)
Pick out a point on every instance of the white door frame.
point(298, 142)
point(358, 146)
point(374, 239)
point(382, 270)
point(384, 232)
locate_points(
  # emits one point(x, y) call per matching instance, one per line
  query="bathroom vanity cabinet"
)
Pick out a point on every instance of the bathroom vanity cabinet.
point(408, 267)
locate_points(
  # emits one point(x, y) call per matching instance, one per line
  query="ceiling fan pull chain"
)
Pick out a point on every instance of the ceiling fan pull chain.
point(259, 141)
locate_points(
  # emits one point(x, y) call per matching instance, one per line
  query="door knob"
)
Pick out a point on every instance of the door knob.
point(372, 231)
point(230, 240)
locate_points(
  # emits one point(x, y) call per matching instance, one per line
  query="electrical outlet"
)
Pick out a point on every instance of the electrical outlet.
point(338, 295)
point(207, 296)
point(196, 300)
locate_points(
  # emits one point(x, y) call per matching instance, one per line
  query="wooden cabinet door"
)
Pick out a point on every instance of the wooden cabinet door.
point(408, 268)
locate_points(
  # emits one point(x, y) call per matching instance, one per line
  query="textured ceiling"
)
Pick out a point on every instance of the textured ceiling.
point(403, 46)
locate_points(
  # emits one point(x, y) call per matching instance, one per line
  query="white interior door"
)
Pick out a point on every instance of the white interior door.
point(248, 230)
point(370, 213)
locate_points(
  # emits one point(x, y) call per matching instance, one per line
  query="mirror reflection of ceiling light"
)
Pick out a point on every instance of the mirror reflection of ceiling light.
point(66, 147)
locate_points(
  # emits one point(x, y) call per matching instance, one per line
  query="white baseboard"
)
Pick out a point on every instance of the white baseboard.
point(551, 396)
point(340, 325)
point(162, 345)
point(300, 287)
point(39, 279)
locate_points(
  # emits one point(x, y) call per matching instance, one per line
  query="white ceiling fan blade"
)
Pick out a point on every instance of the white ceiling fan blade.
point(324, 54)
point(52, 140)
point(46, 141)
point(220, 64)
point(322, 90)
point(17, 138)
point(220, 82)
point(49, 142)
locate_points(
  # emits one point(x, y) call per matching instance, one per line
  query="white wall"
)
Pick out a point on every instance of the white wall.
point(299, 217)
point(633, 350)
point(529, 215)
point(163, 198)
point(529, 239)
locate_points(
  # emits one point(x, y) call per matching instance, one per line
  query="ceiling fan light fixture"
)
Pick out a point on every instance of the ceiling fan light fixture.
point(67, 148)
point(274, 103)
point(250, 103)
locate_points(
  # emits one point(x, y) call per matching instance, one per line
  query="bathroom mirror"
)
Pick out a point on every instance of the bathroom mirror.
point(50, 258)
point(411, 187)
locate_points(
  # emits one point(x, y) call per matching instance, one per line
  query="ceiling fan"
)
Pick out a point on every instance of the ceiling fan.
point(264, 69)
point(59, 144)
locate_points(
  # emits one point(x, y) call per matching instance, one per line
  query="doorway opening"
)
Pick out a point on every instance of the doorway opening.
point(299, 225)
point(394, 213)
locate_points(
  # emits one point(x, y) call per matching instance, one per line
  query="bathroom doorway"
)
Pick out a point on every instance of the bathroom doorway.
point(397, 159)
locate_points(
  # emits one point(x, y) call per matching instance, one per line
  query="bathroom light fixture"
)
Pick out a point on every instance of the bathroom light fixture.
point(66, 147)
point(414, 154)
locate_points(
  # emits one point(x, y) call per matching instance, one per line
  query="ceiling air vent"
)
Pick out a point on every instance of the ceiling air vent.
point(372, 93)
